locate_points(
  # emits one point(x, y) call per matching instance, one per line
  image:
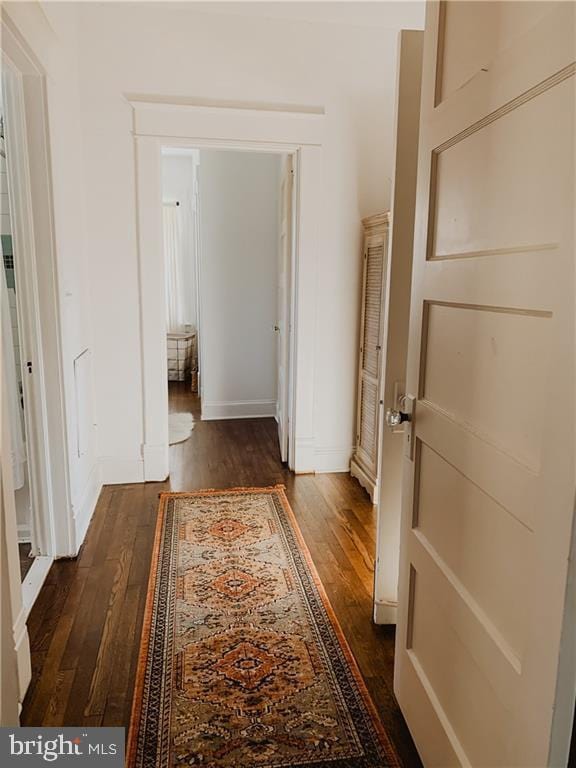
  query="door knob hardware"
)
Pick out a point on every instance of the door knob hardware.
point(394, 418)
point(404, 414)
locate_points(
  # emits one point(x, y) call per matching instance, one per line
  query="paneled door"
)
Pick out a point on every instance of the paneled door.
point(489, 456)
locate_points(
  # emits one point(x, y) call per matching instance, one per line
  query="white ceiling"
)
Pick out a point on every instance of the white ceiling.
point(400, 14)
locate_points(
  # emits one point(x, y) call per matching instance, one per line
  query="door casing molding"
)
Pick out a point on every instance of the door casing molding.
point(157, 124)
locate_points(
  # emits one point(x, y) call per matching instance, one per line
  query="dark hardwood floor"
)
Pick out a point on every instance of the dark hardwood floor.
point(85, 626)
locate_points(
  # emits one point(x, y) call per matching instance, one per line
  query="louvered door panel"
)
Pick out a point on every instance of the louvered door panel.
point(368, 417)
point(364, 464)
point(372, 309)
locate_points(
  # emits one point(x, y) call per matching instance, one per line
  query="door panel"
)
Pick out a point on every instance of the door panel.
point(488, 491)
point(369, 409)
point(467, 530)
point(498, 211)
point(369, 382)
point(442, 654)
point(372, 310)
point(474, 35)
point(489, 353)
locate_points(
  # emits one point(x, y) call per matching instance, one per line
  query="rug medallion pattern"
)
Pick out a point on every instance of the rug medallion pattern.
point(242, 663)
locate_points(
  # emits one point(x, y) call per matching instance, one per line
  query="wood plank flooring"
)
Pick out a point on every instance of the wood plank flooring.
point(85, 626)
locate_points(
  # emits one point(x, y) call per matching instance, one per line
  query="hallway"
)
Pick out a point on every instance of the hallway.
point(85, 627)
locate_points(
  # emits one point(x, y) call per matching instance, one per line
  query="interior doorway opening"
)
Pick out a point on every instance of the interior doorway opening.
point(228, 235)
point(13, 361)
point(22, 361)
point(12, 352)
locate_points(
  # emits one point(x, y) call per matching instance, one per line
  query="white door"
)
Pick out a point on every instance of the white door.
point(283, 302)
point(396, 320)
point(488, 476)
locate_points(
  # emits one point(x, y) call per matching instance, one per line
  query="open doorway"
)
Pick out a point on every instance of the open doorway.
point(38, 511)
point(180, 228)
point(21, 359)
point(12, 350)
point(228, 224)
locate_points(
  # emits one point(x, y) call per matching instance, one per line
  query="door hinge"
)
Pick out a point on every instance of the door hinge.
point(29, 366)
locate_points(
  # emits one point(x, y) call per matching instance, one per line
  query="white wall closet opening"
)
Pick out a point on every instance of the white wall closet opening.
point(184, 126)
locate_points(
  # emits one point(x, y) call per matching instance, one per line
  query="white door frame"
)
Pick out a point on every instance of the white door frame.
point(197, 254)
point(396, 320)
point(285, 310)
point(157, 125)
point(33, 235)
point(40, 268)
point(37, 468)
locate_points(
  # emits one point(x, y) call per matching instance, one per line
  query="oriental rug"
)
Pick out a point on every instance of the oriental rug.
point(242, 661)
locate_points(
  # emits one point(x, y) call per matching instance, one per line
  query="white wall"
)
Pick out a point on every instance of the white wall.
point(175, 49)
point(239, 199)
point(169, 49)
point(50, 38)
point(179, 184)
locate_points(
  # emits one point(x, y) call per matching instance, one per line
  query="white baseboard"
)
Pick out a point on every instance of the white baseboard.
point(83, 509)
point(238, 409)
point(304, 458)
point(332, 459)
point(116, 470)
point(385, 613)
point(24, 534)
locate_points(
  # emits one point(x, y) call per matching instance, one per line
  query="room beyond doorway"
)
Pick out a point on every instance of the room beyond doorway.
point(228, 247)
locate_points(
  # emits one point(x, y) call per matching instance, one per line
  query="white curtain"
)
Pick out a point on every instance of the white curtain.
point(173, 256)
point(11, 386)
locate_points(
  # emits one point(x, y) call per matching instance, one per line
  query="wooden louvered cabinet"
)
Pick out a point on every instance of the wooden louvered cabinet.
point(369, 416)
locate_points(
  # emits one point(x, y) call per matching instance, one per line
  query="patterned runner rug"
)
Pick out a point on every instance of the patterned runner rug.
point(242, 662)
